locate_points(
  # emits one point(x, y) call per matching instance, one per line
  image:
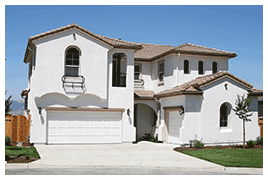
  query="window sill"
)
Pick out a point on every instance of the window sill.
point(226, 130)
point(160, 83)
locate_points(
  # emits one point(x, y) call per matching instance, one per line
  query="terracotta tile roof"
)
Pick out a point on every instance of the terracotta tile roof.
point(151, 50)
point(146, 52)
point(255, 92)
point(188, 47)
point(144, 94)
point(193, 86)
point(110, 41)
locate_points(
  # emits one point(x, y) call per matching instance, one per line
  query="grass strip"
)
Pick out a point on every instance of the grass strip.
point(231, 157)
point(30, 151)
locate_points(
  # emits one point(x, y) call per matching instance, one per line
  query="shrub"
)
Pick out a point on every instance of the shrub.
point(216, 147)
point(7, 140)
point(198, 144)
point(148, 137)
point(251, 143)
point(259, 141)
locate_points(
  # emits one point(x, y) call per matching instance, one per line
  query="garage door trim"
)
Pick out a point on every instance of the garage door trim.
point(84, 109)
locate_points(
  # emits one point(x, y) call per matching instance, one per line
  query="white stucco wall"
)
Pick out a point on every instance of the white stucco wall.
point(222, 63)
point(95, 66)
point(174, 70)
point(214, 96)
point(123, 97)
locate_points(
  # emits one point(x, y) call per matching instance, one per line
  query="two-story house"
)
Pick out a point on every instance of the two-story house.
point(88, 88)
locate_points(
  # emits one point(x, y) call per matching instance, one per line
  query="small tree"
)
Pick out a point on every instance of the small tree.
point(242, 111)
point(8, 103)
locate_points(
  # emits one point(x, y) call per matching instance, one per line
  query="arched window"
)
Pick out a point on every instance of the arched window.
point(200, 67)
point(225, 110)
point(214, 67)
point(72, 62)
point(186, 67)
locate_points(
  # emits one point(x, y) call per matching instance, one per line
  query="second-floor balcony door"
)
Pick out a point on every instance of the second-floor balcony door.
point(119, 70)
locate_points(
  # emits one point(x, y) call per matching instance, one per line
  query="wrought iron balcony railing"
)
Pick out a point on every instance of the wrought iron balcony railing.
point(67, 79)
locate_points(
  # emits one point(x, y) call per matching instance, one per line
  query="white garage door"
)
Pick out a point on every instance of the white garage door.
point(84, 127)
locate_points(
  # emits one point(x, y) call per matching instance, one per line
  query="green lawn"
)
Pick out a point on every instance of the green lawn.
point(31, 151)
point(231, 157)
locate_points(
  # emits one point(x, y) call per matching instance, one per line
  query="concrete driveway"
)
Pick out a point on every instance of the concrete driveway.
point(143, 154)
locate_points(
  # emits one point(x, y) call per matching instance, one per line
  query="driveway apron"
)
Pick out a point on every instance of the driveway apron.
point(144, 154)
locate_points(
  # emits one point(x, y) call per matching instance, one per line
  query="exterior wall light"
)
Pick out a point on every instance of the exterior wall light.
point(181, 111)
point(40, 110)
point(128, 112)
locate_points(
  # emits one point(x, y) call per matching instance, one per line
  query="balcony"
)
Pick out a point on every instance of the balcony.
point(139, 84)
point(73, 84)
point(119, 79)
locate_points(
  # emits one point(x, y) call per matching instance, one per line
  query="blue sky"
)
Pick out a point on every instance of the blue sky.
point(233, 28)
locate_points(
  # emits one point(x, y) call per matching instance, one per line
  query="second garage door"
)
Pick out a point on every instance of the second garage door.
point(84, 127)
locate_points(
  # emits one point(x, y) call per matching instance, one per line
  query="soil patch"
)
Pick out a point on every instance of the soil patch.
point(24, 159)
point(179, 149)
point(24, 144)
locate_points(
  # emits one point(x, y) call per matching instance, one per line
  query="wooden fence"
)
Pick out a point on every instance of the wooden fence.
point(260, 120)
point(17, 127)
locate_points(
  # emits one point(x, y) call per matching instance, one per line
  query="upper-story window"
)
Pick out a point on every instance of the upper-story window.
point(137, 72)
point(72, 62)
point(200, 67)
point(186, 67)
point(214, 67)
point(161, 71)
point(119, 70)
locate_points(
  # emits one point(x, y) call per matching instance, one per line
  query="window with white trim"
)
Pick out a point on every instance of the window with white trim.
point(161, 71)
point(72, 62)
point(224, 115)
point(137, 72)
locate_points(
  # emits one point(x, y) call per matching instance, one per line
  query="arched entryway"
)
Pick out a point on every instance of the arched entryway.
point(145, 119)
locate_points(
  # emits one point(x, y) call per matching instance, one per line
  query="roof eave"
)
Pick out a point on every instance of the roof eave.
point(250, 94)
point(229, 55)
point(178, 94)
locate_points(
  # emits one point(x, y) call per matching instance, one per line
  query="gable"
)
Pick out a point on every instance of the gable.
point(225, 83)
point(111, 42)
point(197, 85)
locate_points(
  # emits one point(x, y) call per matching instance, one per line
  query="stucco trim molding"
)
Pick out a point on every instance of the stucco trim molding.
point(198, 93)
point(172, 107)
point(84, 109)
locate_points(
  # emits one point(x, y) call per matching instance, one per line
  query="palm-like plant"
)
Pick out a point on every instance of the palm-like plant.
point(8, 103)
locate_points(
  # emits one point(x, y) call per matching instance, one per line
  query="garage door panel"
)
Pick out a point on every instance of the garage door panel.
point(98, 131)
point(80, 123)
point(70, 130)
point(53, 131)
point(84, 127)
point(89, 131)
point(80, 131)
point(61, 131)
